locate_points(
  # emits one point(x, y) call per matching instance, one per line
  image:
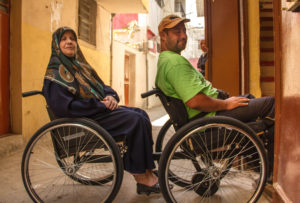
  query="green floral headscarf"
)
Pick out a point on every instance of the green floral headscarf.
point(75, 73)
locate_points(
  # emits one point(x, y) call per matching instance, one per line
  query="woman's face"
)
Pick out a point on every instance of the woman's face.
point(68, 44)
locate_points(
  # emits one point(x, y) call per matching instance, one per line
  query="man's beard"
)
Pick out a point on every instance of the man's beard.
point(182, 46)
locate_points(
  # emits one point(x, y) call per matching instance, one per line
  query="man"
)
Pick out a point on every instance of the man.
point(177, 78)
point(203, 58)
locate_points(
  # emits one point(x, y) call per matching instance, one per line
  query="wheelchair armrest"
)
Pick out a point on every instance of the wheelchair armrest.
point(31, 93)
point(149, 93)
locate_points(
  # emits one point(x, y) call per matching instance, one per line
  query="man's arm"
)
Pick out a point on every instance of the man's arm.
point(204, 103)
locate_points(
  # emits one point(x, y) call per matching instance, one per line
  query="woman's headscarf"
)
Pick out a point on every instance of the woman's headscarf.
point(75, 74)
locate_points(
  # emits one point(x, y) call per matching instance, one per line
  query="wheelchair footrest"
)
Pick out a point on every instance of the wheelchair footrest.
point(156, 155)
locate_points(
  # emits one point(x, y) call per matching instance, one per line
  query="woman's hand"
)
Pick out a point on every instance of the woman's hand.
point(110, 102)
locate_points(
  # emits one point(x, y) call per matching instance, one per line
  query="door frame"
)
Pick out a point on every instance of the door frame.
point(279, 193)
point(5, 126)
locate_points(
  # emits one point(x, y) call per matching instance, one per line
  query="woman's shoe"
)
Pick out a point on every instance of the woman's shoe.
point(144, 189)
point(155, 172)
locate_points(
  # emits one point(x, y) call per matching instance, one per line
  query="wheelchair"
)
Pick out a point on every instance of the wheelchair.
point(207, 159)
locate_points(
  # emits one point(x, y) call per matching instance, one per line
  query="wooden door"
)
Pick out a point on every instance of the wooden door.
point(223, 39)
point(4, 67)
point(126, 80)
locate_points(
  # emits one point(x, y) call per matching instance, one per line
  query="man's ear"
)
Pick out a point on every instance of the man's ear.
point(163, 35)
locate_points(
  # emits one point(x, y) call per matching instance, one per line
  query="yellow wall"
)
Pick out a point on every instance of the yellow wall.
point(39, 19)
point(35, 56)
point(100, 61)
point(146, 4)
point(254, 47)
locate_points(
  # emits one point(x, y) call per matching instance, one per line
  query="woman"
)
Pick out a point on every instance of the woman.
point(73, 89)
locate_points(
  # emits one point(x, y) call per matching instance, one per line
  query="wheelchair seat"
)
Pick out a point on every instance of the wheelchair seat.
point(179, 117)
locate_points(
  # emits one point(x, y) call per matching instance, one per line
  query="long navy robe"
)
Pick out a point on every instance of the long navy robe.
point(133, 123)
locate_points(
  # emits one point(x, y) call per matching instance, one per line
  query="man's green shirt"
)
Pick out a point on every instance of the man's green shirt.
point(177, 78)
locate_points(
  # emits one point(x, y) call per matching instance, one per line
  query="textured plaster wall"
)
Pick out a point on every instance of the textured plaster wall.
point(35, 56)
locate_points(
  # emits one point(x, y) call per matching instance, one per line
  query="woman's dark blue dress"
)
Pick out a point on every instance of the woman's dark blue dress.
point(133, 123)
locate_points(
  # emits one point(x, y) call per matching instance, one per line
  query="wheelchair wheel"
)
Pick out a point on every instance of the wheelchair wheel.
point(220, 159)
point(164, 135)
point(72, 160)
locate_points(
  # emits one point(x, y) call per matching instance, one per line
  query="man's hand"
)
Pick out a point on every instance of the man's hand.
point(204, 103)
point(110, 102)
point(234, 102)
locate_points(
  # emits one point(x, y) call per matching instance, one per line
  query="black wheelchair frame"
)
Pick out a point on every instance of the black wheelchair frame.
point(207, 159)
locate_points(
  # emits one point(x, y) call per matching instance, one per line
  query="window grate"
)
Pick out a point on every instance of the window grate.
point(87, 13)
point(160, 3)
point(179, 6)
point(4, 6)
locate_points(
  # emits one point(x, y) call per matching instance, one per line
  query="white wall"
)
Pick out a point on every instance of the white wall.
point(195, 30)
point(152, 69)
point(140, 79)
point(169, 7)
point(138, 83)
point(152, 19)
point(118, 69)
point(145, 70)
point(155, 14)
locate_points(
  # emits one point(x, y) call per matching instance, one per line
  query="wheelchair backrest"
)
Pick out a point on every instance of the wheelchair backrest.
point(175, 108)
point(50, 113)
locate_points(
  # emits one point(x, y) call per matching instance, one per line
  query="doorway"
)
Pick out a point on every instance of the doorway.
point(129, 79)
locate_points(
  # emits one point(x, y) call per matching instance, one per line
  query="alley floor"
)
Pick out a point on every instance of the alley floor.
point(13, 191)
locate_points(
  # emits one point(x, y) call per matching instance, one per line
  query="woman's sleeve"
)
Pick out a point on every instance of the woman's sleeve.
point(64, 104)
point(110, 92)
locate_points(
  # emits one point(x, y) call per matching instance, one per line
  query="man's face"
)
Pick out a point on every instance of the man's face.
point(175, 38)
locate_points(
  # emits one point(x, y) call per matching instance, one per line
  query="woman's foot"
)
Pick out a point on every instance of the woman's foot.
point(148, 178)
point(144, 189)
point(147, 183)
